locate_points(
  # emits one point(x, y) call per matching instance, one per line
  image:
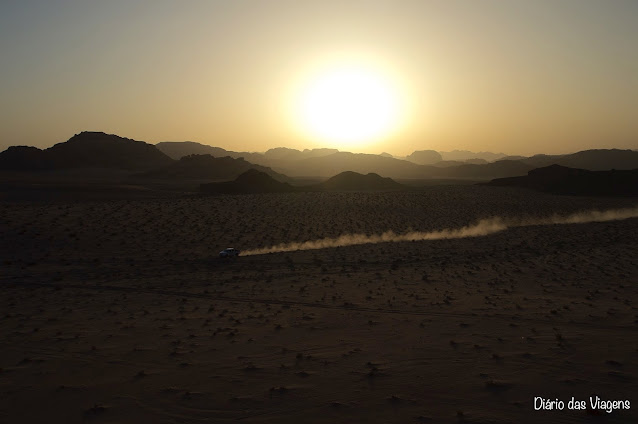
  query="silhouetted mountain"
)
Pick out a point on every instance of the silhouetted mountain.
point(100, 150)
point(87, 150)
point(501, 168)
point(448, 163)
point(353, 181)
point(397, 168)
point(601, 159)
point(463, 155)
point(251, 181)
point(592, 160)
point(309, 162)
point(209, 167)
point(24, 158)
point(484, 165)
point(362, 163)
point(425, 157)
point(284, 153)
point(515, 157)
point(386, 155)
point(179, 149)
point(476, 161)
point(279, 157)
point(563, 180)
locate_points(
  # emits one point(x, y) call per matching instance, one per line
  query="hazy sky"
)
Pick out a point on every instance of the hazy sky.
point(519, 77)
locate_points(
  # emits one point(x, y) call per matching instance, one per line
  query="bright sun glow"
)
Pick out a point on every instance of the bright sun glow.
point(349, 105)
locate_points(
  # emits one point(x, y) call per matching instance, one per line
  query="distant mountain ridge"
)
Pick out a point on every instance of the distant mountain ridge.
point(99, 150)
point(294, 154)
point(461, 164)
point(209, 167)
point(463, 155)
point(592, 160)
point(89, 150)
point(363, 163)
point(425, 157)
point(177, 150)
point(563, 180)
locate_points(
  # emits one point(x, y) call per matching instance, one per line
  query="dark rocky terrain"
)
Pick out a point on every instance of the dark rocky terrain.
point(120, 311)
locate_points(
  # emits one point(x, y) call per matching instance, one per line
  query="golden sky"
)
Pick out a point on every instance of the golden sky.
point(519, 77)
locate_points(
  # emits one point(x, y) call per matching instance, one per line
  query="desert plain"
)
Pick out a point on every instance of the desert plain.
point(118, 310)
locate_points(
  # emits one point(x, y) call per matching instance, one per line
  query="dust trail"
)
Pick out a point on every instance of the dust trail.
point(481, 228)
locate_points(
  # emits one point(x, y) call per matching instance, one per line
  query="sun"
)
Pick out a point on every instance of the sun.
point(350, 106)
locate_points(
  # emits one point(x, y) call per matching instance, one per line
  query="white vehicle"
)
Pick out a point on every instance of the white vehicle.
point(229, 253)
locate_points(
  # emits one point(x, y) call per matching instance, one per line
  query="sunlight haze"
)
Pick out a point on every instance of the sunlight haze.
point(518, 77)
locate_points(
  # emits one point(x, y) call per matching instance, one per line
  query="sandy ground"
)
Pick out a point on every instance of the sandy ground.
point(118, 311)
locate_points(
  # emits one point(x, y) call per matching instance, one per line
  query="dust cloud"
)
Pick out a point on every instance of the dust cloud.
point(481, 228)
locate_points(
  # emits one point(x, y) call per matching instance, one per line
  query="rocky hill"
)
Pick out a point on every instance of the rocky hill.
point(254, 181)
point(353, 181)
point(86, 150)
point(251, 181)
point(563, 180)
